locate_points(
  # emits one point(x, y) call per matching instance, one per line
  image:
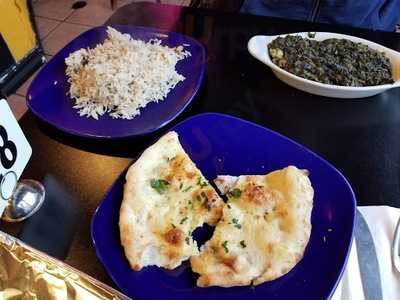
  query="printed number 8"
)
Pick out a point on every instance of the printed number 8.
point(5, 161)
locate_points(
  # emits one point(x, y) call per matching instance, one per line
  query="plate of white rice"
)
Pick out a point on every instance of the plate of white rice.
point(117, 82)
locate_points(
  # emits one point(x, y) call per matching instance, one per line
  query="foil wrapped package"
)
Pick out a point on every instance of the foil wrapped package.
point(26, 273)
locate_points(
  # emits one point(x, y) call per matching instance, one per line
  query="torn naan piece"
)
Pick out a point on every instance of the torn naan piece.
point(165, 198)
point(263, 232)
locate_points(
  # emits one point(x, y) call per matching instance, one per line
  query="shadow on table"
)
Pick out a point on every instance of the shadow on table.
point(53, 227)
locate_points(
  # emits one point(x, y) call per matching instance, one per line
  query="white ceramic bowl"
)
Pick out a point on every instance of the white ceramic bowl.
point(257, 47)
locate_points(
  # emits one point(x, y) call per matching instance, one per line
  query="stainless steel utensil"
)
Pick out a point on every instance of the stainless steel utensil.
point(26, 199)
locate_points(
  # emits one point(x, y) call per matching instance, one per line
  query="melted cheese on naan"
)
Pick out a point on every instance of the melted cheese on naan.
point(263, 232)
point(165, 198)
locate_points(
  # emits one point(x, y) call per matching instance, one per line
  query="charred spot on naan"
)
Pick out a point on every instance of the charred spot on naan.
point(178, 170)
point(173, 237)
point(229, 262)
point(255, 193)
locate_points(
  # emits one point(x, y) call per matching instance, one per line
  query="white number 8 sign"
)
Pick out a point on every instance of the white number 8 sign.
point(15, 152)
point(8, 150)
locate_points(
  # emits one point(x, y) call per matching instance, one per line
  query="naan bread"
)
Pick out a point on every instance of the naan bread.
point(263, 232)
point(165, 198)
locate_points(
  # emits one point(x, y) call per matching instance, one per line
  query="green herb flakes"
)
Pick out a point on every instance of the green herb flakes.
point(191, 205)
point(180, 186)
point(183, 220)
point(235, 193)
point(187, 189)
point(225, 246)
point(187, 240)
point(200, 182)
point(243, 244)
point(236, 223)
point(160, 185)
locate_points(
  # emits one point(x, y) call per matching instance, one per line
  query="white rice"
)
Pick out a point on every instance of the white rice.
point(122, 75)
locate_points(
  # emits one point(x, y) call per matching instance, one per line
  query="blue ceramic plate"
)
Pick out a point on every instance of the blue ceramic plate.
point(221, 144)
point(47, 96)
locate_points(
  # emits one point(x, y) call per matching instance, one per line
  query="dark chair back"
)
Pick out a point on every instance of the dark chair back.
point(224, 5)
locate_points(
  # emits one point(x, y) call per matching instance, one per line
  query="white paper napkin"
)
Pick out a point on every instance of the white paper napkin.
point(381, 221)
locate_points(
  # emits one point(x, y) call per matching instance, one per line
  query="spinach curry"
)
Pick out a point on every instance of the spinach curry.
point(332, 61)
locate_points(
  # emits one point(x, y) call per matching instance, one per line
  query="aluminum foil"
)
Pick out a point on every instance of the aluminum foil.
point(28, 274)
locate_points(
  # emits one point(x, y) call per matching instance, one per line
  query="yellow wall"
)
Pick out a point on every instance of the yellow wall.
point(16, 28)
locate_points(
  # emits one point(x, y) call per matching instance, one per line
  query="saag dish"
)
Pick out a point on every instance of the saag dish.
point(332, 61)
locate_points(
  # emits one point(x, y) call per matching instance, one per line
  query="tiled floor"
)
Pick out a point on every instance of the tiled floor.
point(60, 36)
point(58, 24)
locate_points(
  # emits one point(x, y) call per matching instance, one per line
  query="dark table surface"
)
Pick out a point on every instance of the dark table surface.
point(359, 137)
